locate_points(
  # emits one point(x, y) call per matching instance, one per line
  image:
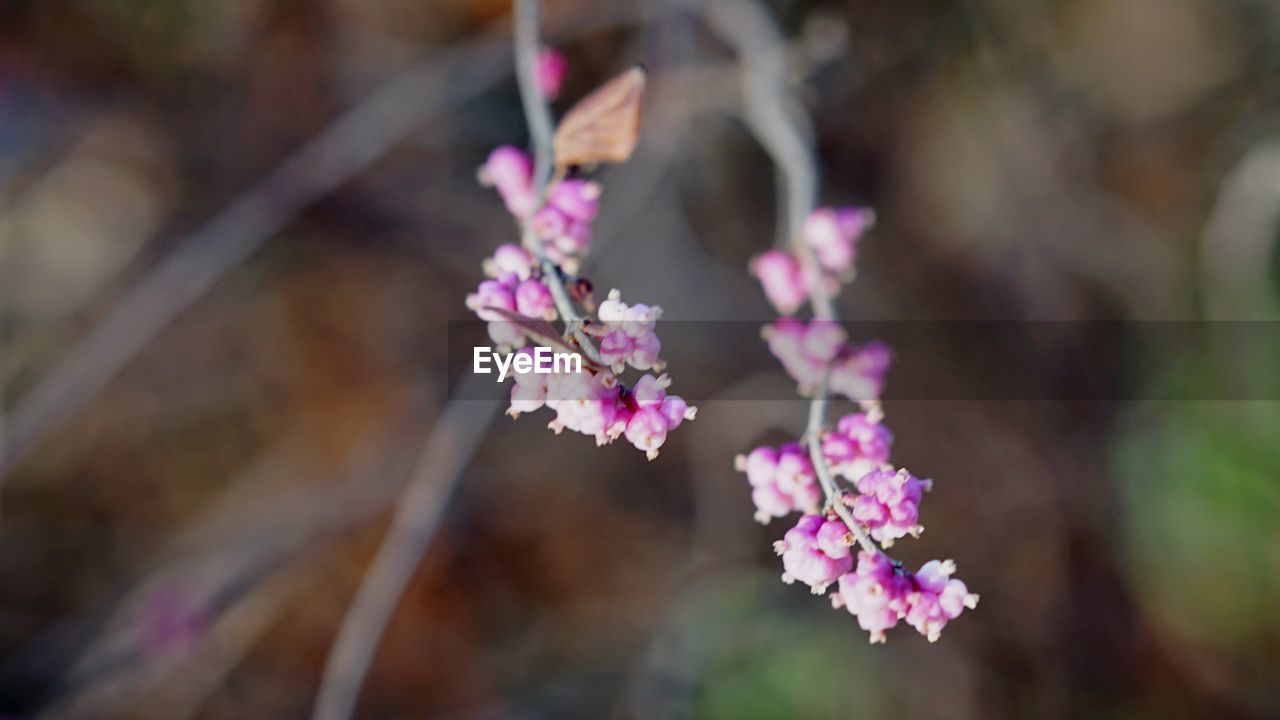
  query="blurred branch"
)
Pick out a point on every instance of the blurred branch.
point(177, 681)
point(778, 121)
point(418, 513)
point(242, 541)
point(350, 144)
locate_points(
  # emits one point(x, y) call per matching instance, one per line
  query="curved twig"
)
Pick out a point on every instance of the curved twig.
point(781, 127)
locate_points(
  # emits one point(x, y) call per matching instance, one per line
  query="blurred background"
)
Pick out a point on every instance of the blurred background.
point(232, 234)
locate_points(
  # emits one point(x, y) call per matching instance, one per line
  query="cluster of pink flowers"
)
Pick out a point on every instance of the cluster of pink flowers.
point(859, 444)
point(810, 351)
point(880, 593)
point(782, 481)
point(521, 280)
point(563, 221)
point(515, 285)
point(627, 334)
point(832, 235)
point(597, 404)
point(818, 551)
point(888, 504)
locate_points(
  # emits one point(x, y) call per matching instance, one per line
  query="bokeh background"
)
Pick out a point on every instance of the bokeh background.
point(185, 540)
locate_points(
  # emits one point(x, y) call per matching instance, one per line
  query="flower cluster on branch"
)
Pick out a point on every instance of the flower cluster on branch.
point(533, 284)
point(841, 479)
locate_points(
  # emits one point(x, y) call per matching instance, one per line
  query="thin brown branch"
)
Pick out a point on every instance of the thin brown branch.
point(418, 513)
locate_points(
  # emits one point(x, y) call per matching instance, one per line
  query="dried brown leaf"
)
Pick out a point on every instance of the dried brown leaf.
point(605, 125)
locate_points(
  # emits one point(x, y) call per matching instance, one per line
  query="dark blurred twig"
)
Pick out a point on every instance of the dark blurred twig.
point(349, 145)
point(254, 532)
point(418, 514)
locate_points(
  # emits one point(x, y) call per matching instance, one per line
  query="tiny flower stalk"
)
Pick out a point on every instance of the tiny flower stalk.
point(526, 287)
point(842, 479)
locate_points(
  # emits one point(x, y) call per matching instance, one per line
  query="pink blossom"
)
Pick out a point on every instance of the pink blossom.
point(759, 465)
point(889, 504)
point(676, 411)
point(859, 372)
point(533, 299)
point(782, 480)
point(807, 549)
point(615, 347)
point(510, 172)
point(578, 199)
point(805, 349)
point(645, 351)
point(876, 593)
point(492, 294)
point(550, 68)
point(627, 334)
point(565, 221)
point(574, 240)
point(771, 502)
point(647, 430)
point(510, 259)
point(550, 223)
point(880, 594)
point(857, 446)
point(650, 390)
point(782, 279)
point(526, 398)
point(498, 294)
point(833, 234)
point(937, 598)
point(658, 414)
point(586, 403)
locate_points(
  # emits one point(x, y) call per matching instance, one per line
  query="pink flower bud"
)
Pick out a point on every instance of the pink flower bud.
point(510, 171)
point(876, 593)
point(533, 299)
point(857, 446)
point(511, 259)
point(550, 223)
point(888, 504)
point(760, 465)
point(804, 558)
point(833, 235)
point(577, 199)
point(550, 68)
point(676, 411)
point(650, 390)
point(647, 430)
point(575, 239)
point(937, 598)
point(859, 373)
point(615, 347)
point(491, 294)
point(834, 539)
point(645, 351)
point(782, 279)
